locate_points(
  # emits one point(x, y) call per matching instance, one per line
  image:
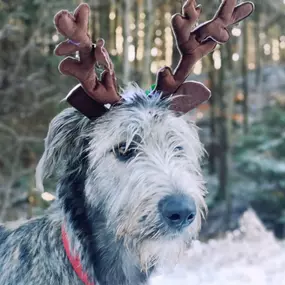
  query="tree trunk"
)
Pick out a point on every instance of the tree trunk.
point(213, 132)
point(126, 34)
point(139, 10)
point(258, 51)
point(223, 131)
point(105, 23)
point(175, 55)
point(112, 27)
point(149, 28)
point(245, 77)
point(231, 93)
point(95, 20)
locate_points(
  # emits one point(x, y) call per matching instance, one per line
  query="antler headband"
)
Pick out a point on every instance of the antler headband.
point(90, 96)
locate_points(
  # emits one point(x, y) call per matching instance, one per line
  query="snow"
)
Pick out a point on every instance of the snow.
point(250, 255)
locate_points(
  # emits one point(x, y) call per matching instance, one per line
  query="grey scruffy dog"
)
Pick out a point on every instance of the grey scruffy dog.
point(130, 192)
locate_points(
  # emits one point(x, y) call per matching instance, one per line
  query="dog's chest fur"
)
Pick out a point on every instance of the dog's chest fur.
point(34, 255)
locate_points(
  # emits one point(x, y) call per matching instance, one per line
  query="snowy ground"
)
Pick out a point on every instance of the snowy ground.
point(248, 256)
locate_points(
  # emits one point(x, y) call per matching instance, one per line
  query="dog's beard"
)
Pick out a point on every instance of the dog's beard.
point(159, 248)
point(162, 252)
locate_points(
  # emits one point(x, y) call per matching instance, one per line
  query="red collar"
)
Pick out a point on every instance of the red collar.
point(74, 260)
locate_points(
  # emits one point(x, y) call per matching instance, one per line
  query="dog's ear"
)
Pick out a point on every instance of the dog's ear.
point(65, 141)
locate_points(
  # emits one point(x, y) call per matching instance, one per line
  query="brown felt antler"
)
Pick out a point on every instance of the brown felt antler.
point(75, 28)
point(193, 44)
point(90, 97)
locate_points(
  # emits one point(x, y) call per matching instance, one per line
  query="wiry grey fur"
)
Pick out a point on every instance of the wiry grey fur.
point(109, 206)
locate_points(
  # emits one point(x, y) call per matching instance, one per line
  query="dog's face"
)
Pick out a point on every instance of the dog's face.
point(144, 174)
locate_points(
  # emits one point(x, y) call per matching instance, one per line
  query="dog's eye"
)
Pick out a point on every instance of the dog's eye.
point(123, 153)
point(178, 150)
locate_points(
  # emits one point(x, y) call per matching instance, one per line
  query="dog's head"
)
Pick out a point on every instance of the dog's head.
point(138, 165)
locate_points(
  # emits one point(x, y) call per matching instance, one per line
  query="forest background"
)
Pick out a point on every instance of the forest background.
point(242, 126)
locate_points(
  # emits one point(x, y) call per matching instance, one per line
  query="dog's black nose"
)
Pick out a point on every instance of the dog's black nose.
point(178, 211)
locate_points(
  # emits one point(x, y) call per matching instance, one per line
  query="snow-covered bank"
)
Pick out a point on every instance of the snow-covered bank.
point(250, 256)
